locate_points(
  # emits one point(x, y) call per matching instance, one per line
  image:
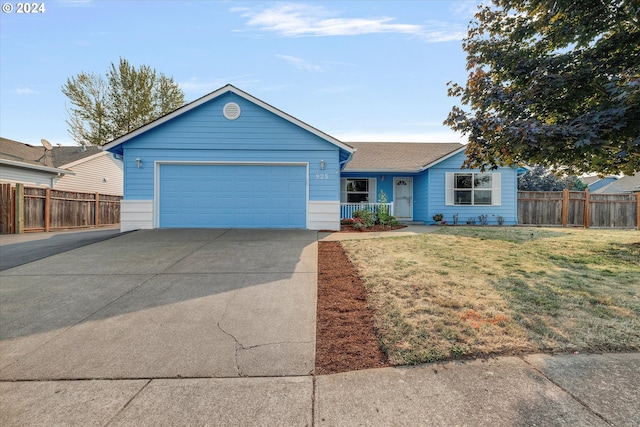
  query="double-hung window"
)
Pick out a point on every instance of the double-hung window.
point(357, 190)
point(473, 189)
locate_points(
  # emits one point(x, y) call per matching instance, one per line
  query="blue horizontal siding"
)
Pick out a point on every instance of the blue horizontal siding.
point(205, 127)
point(421, 196)
point(323, 184)
point(508, 208)
point(204, 134)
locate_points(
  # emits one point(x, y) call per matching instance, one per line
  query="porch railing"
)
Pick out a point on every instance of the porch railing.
point(347, 209)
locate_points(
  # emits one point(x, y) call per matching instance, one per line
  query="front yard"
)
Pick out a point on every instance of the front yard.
point(480, 291)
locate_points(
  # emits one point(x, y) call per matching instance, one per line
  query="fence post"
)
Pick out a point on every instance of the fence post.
point(587, 207)
point(565, 206)
point(97, 212)
point(19, 204)
point(47, 209)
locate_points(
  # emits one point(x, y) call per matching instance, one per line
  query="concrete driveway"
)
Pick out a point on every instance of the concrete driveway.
point(164, 304)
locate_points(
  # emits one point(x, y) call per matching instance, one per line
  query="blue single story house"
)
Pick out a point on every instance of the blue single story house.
point(229, 159)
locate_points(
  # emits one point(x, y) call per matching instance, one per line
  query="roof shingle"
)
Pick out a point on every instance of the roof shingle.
point(36, 155)
point(398, 156)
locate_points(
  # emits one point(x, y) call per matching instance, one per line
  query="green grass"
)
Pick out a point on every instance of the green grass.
point(502, 290)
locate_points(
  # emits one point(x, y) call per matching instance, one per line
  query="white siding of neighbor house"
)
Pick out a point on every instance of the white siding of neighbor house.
point(100, 173)
point(30, 178)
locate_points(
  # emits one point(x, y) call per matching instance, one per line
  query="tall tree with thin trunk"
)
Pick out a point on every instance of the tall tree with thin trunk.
point(105, 108)
point(553, 83)
point(88, 120)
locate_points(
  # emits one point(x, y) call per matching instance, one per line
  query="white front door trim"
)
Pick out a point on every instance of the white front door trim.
point(403, 200)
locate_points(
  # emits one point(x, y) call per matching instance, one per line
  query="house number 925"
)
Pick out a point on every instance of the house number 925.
point(322, 176)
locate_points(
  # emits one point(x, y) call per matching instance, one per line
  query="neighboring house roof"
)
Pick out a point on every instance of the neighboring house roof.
point(114, 145)
point(24, 153)
point(588, 180)
point(65, 155)
point(595, 182)
point(24, 156)
point(399, 156)
point(36, 155)
point(626, 184)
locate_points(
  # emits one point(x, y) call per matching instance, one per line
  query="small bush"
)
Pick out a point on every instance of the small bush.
point(363, 219)
point(384, 218)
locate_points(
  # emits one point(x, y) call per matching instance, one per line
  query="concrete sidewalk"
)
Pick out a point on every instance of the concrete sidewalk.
point(571, 390)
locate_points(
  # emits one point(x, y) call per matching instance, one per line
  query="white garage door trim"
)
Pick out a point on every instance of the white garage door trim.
point(156, 179)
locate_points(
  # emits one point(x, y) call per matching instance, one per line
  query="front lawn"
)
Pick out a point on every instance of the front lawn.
point(479, 291)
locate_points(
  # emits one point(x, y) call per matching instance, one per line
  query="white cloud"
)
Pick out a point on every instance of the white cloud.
point(466, 8)
point(303, 20)
point(300, 63)
point(26, 91)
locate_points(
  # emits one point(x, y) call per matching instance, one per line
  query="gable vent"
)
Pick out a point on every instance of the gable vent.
point(231, 111)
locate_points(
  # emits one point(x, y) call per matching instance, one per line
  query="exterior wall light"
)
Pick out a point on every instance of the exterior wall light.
point(138, 162)
point(321, 165)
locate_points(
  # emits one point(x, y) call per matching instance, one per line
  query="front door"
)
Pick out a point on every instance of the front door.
point(403, 198)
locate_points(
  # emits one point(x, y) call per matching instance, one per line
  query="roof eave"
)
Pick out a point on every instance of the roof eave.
point(84, 159)
point(111, 146)
point(443, 158)
point(382, 170)
point(21, 165)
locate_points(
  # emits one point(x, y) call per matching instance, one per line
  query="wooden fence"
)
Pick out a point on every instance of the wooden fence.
point(578, 209)
point(43, 209)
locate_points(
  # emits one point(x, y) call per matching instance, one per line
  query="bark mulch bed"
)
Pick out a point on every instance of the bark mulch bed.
point(345, 336)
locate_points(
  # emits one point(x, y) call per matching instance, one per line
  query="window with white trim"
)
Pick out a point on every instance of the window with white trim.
point(473, 189)
point(357, 190)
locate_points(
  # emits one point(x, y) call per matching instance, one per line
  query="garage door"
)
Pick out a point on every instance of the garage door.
point(239, 196)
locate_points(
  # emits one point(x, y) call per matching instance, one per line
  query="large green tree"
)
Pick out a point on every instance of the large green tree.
point(105, 108)
point(553, 83)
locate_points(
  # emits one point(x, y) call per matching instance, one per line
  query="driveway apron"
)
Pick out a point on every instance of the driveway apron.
point(164, 303)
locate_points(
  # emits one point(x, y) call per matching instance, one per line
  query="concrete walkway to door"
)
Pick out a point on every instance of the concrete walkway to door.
point(164, 304)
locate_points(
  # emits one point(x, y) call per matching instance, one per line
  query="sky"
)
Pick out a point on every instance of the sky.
point(356, 70)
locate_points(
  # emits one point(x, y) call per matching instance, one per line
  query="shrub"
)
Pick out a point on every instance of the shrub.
point(384, 218)
point(363, 219)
